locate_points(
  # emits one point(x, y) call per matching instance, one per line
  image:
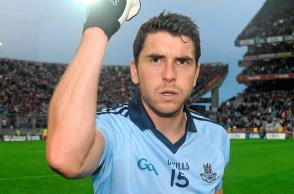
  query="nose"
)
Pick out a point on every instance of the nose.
point(169, 72)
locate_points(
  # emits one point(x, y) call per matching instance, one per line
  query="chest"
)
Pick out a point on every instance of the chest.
point(197, 166)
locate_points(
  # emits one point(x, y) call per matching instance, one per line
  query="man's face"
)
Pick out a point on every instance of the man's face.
point(166, 72)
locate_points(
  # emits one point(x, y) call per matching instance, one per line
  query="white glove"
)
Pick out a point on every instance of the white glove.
point(131, 10)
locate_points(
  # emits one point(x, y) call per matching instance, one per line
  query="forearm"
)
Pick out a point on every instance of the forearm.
point(71, 120)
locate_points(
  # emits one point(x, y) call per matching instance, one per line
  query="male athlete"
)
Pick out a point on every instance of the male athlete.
point(152, 144)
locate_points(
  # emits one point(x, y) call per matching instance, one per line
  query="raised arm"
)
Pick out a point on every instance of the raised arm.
point(71, 120)
point(74, 146)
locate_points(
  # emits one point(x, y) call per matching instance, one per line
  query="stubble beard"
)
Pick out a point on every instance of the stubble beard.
point(152, 106)
point(148, 101)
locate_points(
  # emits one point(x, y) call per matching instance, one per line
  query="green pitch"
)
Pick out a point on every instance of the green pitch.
point(256, 167)
point(24, 170)
point(260, 167)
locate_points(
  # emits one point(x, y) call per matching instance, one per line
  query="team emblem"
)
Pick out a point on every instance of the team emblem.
point(208, 176)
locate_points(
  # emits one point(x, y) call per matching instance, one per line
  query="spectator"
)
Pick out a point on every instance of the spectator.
point(267, 110)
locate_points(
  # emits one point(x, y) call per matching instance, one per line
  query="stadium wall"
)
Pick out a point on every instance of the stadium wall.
point(268, 135)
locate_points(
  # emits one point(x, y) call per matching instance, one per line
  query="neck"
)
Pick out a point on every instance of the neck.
point(171, 126)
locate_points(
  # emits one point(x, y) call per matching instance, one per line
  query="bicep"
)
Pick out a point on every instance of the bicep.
point(92, 161)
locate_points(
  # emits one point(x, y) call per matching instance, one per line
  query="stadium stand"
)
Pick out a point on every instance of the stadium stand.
point(275, 18)
point(267, 104)
point(265, 110)
point(271, 67)
point(27, 86)
point(211, 77)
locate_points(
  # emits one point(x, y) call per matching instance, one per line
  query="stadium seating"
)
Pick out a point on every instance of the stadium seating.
point(275, 18)
point(267, 103)
point(272, 67)
point(271, 110)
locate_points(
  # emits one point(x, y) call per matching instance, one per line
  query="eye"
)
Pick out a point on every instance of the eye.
point(183, 62)
point(155, 60)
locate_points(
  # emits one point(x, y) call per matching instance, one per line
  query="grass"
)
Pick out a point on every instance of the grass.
point(256, 167)
point(260, 167)
point(24, 170)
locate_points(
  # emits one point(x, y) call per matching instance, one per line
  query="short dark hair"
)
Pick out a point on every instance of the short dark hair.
point(172, 23)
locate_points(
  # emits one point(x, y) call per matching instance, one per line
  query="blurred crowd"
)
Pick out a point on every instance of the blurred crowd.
point(115, 85)
point(275, 18)
point(259, 111)
point(272, 67)
point(271, 48)
point(26, 89)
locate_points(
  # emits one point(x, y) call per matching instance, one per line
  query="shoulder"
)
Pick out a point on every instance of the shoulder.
point(204, 123)
point(208, 127)
point(119, 110)
point(114, 123)
point(115, 117)
point(213, 133)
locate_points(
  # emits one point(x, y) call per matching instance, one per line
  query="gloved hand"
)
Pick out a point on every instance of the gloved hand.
point(109, 15)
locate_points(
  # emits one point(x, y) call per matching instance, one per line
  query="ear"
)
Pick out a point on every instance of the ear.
point(196, 74)
point(134, 72)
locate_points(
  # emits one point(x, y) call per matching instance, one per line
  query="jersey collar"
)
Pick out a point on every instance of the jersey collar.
point(141, 118)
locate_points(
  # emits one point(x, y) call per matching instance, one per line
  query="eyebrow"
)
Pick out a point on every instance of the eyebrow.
point(152, 56)
point(159, 56)
point(184, 58)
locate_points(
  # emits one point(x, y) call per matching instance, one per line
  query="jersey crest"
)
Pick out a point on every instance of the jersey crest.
point(208, 176)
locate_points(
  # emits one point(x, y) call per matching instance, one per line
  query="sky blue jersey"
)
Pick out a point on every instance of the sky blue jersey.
point(138, 159)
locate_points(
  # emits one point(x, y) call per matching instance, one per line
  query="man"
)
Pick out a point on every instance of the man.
point(152, 144)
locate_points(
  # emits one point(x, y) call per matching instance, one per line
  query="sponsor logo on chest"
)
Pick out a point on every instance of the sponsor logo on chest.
point(144, 164)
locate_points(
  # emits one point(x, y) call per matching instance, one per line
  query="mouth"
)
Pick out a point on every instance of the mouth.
point(169, 93)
